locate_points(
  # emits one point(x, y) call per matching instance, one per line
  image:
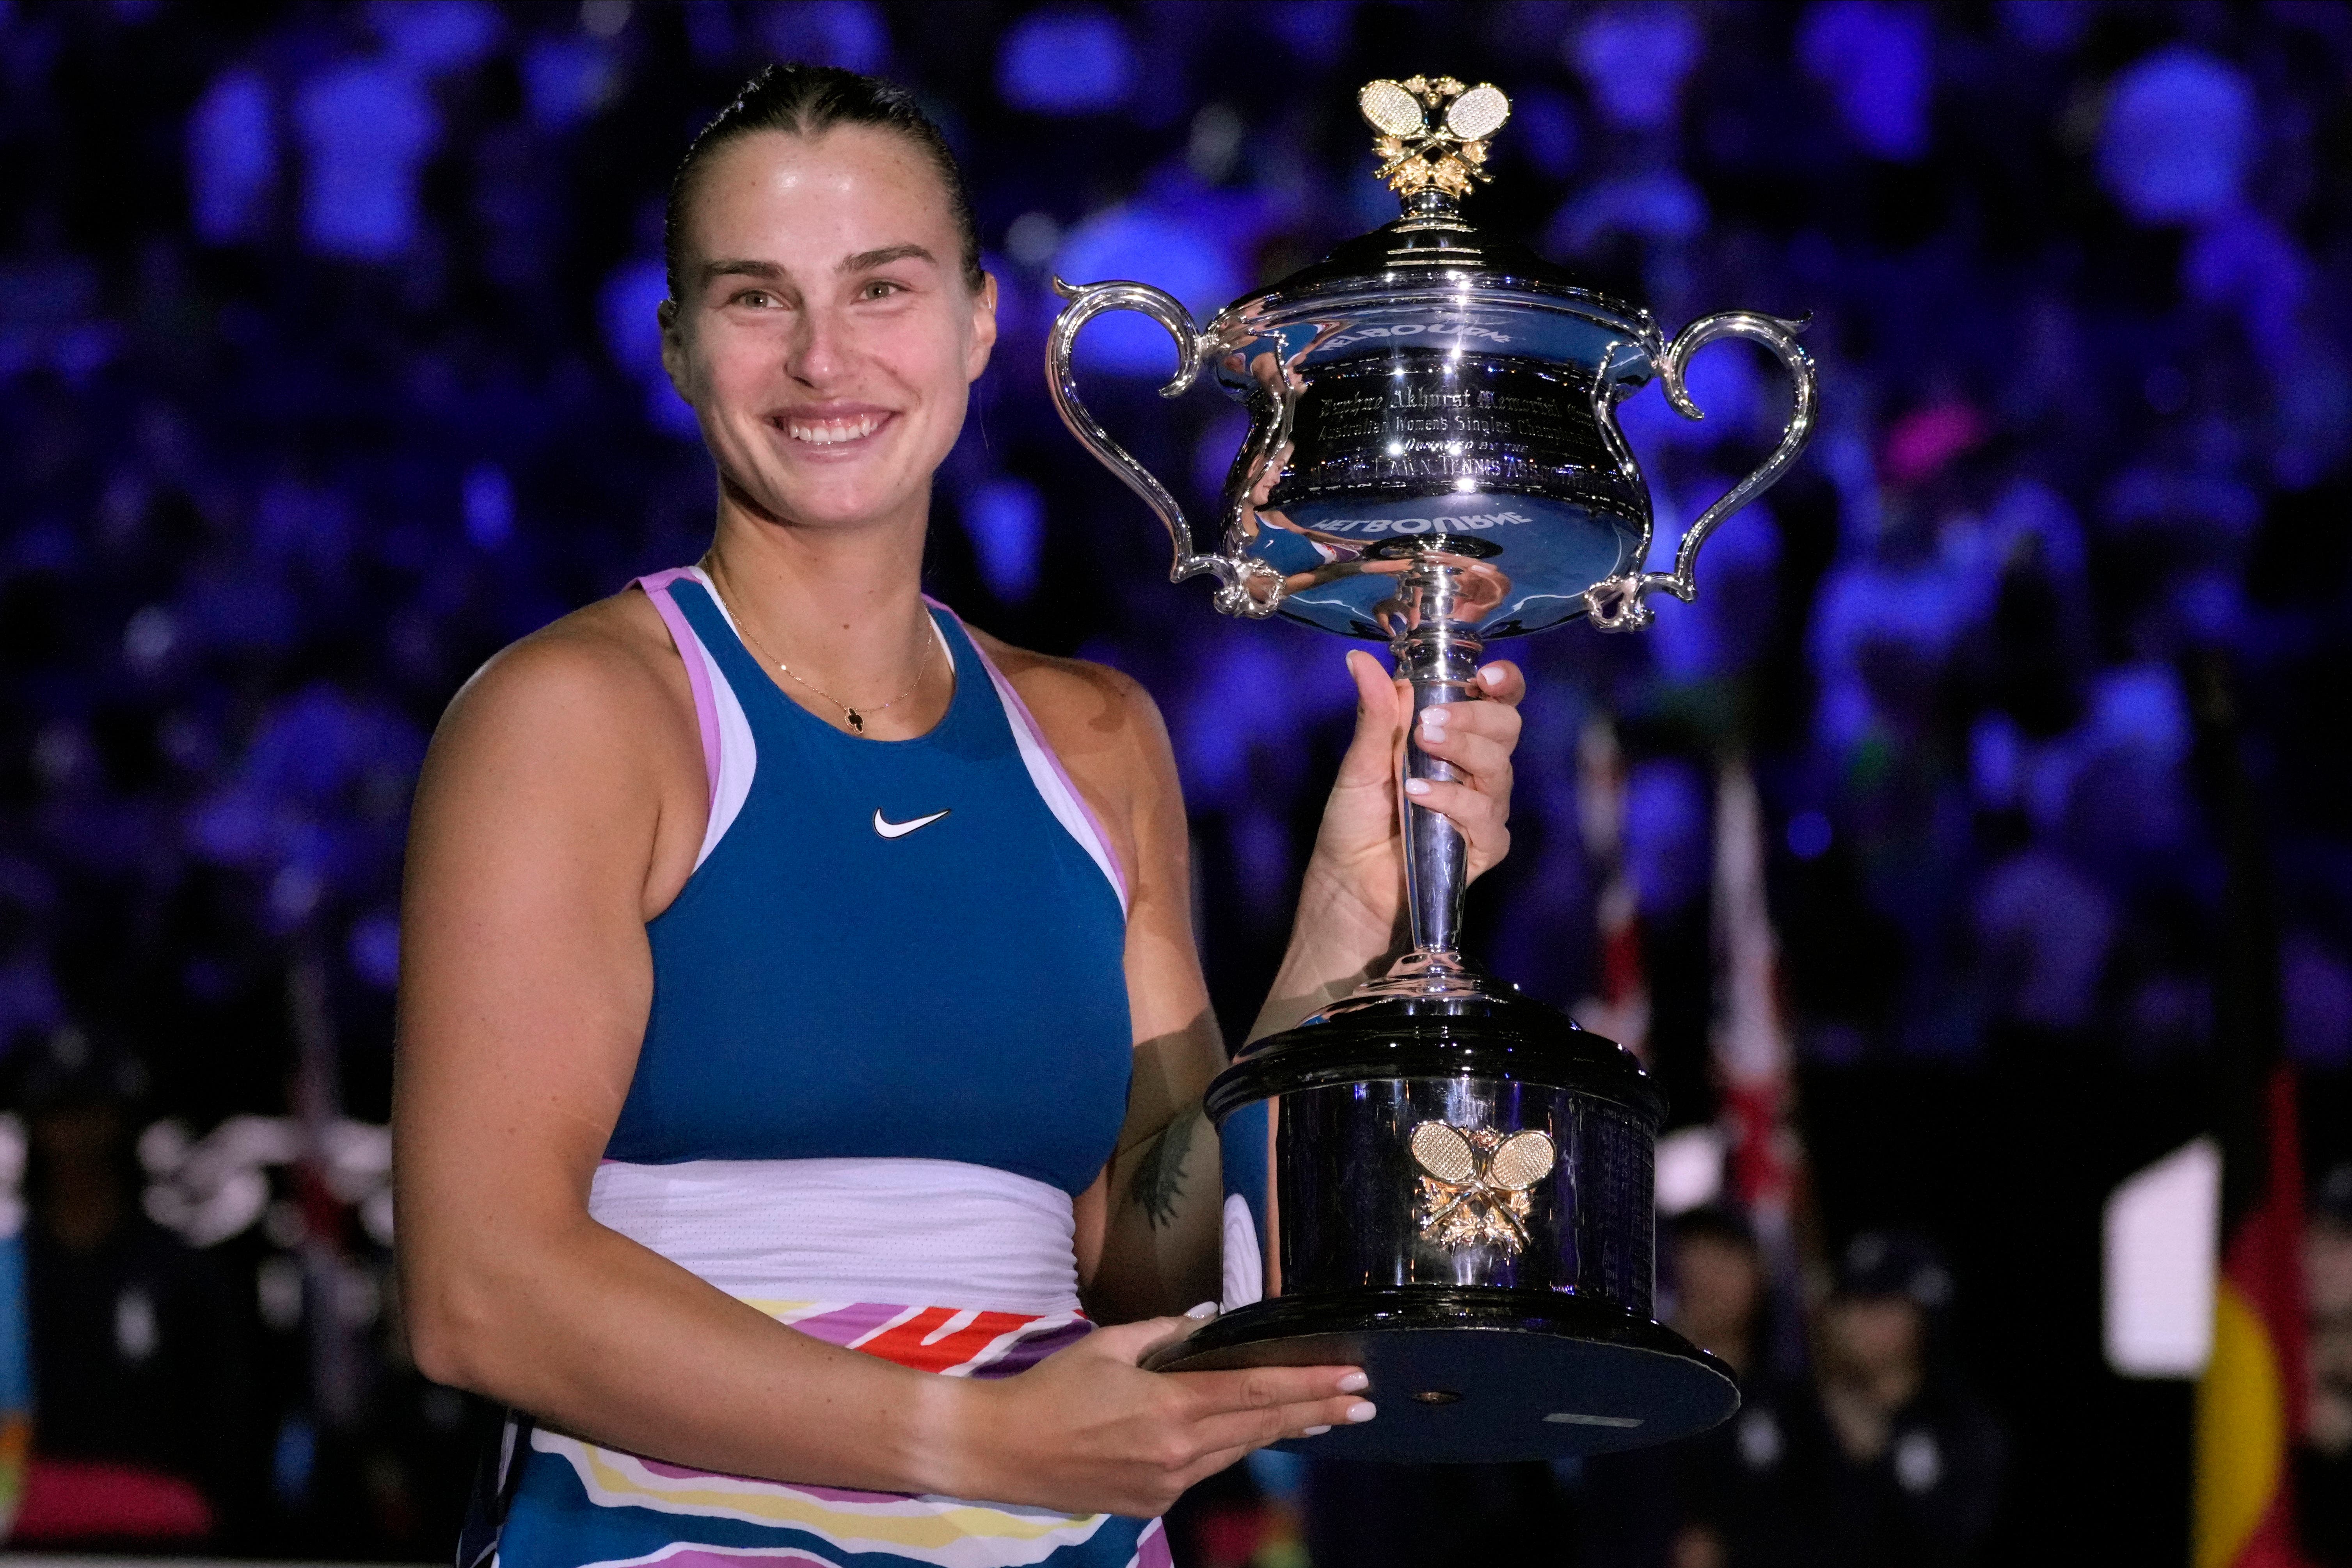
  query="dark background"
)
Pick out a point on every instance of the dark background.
point(326, 369)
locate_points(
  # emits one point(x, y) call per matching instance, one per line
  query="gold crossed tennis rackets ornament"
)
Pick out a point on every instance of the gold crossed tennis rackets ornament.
point(1475, 1182)
point(1433, 132)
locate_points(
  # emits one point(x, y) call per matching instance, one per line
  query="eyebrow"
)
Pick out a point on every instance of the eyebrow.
point(712, 270)
point(864, 261)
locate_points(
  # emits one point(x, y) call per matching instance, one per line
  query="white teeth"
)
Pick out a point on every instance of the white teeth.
point(827, 432)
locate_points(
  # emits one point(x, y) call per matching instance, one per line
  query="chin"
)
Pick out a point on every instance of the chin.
point(837, 501)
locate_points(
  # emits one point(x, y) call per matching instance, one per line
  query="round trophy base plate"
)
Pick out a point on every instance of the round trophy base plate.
point(1477, 1376)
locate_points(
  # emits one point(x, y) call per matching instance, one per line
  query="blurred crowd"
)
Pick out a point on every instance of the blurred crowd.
point(1879, 1453)
point(1860, 1438)
point(328, 365)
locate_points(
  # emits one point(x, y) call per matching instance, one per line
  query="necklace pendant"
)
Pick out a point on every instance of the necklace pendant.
point(857, 720)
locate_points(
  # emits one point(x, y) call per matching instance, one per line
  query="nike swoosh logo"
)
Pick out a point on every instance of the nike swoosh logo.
point(888, 829)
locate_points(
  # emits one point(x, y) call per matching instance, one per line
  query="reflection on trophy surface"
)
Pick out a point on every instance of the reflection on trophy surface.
point(1438, 1178)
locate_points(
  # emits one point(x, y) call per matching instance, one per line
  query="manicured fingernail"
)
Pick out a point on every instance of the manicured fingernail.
point(1315, 1431)
point(1362, 1410)
point(1433, 717)
point(1205, 1310)
point(1416, 787)
point(1354, 1383)
point(1491, 675)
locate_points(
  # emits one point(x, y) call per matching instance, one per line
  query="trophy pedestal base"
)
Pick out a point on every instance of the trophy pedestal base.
point(1477, 1375)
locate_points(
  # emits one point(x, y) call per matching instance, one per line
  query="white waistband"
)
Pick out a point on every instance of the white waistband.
point(935, 1233)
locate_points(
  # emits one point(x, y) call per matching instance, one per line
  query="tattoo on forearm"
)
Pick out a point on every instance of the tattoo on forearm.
point(1158, 1178)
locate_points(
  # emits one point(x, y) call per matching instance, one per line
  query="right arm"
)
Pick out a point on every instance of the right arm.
point(546, 832)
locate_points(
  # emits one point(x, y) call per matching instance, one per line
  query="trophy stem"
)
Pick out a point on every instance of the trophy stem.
point(1439, 655)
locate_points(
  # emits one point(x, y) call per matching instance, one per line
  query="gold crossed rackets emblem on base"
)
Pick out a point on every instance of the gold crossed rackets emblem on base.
point(1475, 1181)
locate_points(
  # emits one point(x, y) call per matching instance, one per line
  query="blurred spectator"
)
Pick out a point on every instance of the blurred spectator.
point(1910, 1473)
point(1714, 1500)
point(2323, 1470)
point(1718, 1286)
point(140, 1385)
point(1881, 1459)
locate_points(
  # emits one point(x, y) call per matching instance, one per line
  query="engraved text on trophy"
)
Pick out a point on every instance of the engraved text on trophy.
point(1425, 423)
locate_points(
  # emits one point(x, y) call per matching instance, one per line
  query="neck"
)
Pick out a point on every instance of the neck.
point(843, 607)
point(1863, 1402)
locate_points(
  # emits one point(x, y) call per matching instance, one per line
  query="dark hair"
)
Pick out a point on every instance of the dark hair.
point(808, 100)
point(1713, 1221)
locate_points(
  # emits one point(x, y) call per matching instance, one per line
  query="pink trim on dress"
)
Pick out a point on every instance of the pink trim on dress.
point(1037, 733)
point(690, 652)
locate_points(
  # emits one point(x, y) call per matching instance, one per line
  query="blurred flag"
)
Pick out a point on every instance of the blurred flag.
point(1752, 1030)
point(2249, 1404)
point(16, 1353)
point(1754, 1064)
point(1621, 1010)
point(2249, 1401)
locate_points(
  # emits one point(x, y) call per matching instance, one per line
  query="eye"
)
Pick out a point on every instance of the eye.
point(880, 288)
point(758, 298)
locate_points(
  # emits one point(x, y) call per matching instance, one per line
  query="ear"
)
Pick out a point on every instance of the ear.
point(673, 347)
point(983, 327)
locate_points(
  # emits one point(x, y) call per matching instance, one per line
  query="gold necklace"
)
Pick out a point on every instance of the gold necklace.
point(853, 717)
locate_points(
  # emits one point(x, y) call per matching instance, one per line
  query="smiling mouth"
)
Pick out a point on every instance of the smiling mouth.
point(832, 432)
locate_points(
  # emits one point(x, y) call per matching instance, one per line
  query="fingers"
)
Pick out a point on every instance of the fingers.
point(1496, 718)
point(1130, 1342)
point(1378, 694)
point(1477, 738)
point(1266, 1387)
point(1248, 1429)
point(1131, 1442)
point(1379, 709)
point(1503, 681)
point(1239, 1411)
point(1223, 1417)
point(1479, 816)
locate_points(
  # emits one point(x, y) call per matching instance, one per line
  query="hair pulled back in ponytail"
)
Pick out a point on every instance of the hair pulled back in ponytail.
point(808, 100)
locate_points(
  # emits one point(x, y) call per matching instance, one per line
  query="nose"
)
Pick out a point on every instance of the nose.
point(816, 355)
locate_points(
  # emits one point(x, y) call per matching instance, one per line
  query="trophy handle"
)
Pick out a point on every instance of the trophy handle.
point(1615, 604)
point(1244, 587)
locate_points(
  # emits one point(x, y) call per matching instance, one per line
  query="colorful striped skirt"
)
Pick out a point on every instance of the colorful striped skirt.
point(575, 1504)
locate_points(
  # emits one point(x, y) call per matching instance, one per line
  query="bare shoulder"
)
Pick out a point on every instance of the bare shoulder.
point(1084, 707)
point(588, 723)
point(1103, 724)
point(606, 669)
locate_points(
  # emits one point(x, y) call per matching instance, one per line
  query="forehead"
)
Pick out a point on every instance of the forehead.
point(810, 200)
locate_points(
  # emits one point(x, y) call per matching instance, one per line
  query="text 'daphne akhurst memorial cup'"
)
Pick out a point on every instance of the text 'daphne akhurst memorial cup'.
point(1438, 1178)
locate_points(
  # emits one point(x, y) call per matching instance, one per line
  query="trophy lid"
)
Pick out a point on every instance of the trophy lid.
point(1432, 141)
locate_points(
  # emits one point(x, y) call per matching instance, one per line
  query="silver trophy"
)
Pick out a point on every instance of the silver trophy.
point(1438, 1178)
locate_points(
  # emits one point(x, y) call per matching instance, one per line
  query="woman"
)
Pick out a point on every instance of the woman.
point(800, 999)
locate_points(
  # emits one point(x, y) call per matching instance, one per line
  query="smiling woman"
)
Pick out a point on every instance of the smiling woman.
point(820, 221)
point(800, 1000)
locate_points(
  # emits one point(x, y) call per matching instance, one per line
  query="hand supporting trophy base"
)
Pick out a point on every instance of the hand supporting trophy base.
point(1437, 1178)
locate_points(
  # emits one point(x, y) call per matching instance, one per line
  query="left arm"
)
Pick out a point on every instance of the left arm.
point(1149, 1228)
point(1163, 1190)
